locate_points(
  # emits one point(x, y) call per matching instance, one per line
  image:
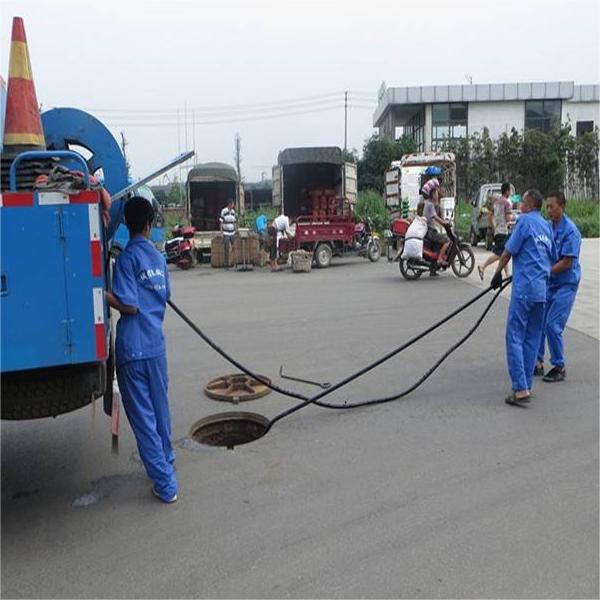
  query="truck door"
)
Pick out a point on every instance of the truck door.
point(392, 187)
point(34, 295)
point(350, 187)
point(278, 186)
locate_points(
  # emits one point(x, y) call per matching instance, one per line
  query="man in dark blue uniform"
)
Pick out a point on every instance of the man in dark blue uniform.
point(531, 247)
point(564, 281)
point(140, 291)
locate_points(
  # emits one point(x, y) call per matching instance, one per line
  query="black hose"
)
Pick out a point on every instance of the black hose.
point(316, 399)
point(408, 390)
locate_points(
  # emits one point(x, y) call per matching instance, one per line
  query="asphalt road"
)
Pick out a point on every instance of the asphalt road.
point(448, 493)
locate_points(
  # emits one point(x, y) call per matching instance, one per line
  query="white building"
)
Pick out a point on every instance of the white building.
point(431, 113)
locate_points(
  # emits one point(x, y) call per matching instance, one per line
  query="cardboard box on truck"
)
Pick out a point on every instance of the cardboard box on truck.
point(313, 182)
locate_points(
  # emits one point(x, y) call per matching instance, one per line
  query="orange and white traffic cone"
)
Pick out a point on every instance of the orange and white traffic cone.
point(23, 124)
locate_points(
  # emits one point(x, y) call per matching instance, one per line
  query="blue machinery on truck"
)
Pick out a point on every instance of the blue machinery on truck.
point(55, 329)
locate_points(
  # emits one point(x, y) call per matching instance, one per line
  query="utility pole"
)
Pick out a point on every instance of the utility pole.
point(237, 156)
point(179, 152)
point(345, 122)
point(123, 149)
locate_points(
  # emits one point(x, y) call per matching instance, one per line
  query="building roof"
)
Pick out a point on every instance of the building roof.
point(486, 92)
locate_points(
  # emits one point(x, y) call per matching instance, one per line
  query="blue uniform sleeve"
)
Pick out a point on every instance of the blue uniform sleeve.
point(515, 240)
point(124, 284)
point(571, 244)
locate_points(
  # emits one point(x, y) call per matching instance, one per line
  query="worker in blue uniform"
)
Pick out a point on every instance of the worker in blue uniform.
point(531, 247)
point(140, 290)
point(564, 281)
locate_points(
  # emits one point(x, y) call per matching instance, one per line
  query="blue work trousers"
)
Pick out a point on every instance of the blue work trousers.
point(143, 385)
point(558, 308)
point(524, 328)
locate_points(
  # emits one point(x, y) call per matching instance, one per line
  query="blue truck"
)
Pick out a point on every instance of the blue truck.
point(55, 258)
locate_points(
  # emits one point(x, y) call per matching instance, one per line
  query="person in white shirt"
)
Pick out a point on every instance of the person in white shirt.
point(228, 224)
point(499, 220)
point(278, 229)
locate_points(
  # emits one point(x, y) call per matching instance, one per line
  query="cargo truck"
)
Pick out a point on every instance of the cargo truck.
point(316, 188)
point(209, 187)
point(405, 177)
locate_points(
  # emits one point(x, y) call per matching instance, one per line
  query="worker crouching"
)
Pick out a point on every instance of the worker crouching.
point(140, 292)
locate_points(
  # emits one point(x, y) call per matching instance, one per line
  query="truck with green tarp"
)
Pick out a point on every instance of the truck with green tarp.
point(209, 187)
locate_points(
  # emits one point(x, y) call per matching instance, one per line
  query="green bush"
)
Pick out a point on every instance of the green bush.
point(464, 211)
point(248, 219)
point(370, 203)
point(586, 215)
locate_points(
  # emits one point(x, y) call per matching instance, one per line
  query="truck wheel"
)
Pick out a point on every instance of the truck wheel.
point(323, 255)
point(473, 238)
point(50, 392)
point(374, 251)
point(408, 272)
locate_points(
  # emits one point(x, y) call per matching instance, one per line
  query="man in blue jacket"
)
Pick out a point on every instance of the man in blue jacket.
point(564, 281)
point(531, 247)
point(140, 291)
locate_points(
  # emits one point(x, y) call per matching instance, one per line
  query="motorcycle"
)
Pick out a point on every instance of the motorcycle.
point(459, 258)
point(180, 248)
point(366, 243)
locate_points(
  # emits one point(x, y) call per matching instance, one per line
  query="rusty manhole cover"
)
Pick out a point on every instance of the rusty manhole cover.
point(236, 388)
point(229, 429)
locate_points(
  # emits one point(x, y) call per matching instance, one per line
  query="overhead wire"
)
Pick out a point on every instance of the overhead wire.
point(240, 119)
point(229, 107)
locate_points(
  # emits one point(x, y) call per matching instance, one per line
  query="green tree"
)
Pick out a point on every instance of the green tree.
point(176, 193)
point(378, 153)
point(370, 203)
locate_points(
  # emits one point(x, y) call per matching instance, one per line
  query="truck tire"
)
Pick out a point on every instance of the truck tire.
point(473, 238)
point(43, 393)
point(323, 254)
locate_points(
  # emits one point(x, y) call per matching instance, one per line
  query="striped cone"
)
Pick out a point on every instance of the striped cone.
point(22, 124)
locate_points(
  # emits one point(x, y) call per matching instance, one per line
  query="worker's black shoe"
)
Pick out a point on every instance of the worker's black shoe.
point(538, 371)
point(555, 374)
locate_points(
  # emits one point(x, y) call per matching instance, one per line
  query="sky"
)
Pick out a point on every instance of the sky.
point(275, 71)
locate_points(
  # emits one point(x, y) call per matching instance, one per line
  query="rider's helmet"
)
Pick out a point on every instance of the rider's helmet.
point(433, 171)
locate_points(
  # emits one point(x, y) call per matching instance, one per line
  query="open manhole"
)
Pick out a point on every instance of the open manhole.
point(236, 388)
point(229, 429)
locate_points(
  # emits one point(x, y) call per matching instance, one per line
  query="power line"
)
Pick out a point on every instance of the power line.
point(235, 108)
point(226, 107)
point(121, 123)
point(225, 114)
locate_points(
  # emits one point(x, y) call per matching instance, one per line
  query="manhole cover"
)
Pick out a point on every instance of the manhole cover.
point(236, 388)
point(229, 429)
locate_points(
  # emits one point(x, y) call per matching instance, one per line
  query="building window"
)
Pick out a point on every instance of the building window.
point(449, 122)
point(584, 127)
point(415, 128)
point(542, 114)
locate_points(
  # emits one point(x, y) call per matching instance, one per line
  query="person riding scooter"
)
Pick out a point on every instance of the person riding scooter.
point(434, 239)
